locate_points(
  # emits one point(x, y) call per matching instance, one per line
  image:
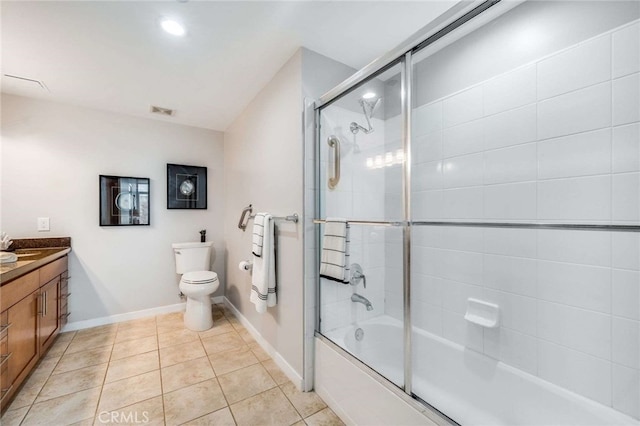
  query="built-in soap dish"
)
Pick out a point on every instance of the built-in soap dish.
point(482, 313)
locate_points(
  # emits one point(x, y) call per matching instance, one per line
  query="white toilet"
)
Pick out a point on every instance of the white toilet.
point(193, 261)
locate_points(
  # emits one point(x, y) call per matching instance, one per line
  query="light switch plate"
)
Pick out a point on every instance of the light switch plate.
point(43, 224)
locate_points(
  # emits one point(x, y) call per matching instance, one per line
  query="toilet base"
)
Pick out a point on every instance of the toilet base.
point(198, 316)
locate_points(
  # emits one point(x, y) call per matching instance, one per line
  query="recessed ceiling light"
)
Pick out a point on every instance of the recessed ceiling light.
point(172, 27)
point(369, 95)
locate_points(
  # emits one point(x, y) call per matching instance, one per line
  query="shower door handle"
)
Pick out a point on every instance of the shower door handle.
point(334, 143)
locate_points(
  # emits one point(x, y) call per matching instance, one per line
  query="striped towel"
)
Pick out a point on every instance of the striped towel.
point(258, 234)
point(263, 276)
point(334, 262)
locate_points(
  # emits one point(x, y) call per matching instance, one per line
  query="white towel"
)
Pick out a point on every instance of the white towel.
point(263, 279)
point(334, 262)
point(258, 234)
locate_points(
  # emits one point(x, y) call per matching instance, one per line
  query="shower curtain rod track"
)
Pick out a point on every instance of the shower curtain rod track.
point(519, 225)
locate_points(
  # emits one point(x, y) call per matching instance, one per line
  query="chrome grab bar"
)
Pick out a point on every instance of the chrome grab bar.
point(334, 143)
point(242, 224)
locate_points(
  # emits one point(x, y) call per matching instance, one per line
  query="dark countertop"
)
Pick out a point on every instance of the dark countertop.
point(30, 260)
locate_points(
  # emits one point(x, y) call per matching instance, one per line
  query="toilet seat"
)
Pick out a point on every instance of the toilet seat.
point(199, 277)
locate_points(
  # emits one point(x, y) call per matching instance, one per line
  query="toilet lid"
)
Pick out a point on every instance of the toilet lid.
point(199, 277)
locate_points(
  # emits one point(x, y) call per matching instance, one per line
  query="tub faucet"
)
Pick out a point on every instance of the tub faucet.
point(361, 299)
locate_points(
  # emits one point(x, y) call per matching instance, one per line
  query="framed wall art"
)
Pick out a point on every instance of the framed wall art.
point(186, 187)
point(124, 201)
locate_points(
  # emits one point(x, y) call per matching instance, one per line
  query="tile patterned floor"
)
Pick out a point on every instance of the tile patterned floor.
point(153, 371)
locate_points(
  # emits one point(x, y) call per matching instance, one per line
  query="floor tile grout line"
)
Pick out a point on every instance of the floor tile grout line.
point(95, 413)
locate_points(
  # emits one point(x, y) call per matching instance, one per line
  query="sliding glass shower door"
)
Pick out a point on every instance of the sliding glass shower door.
point(491, 180)
point(360, 180)
point(525, 159)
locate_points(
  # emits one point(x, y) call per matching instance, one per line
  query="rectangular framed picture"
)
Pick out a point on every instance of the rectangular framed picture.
point(124, 201)
point(186, 187)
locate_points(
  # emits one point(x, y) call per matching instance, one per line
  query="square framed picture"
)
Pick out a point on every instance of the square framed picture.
point(186, 187)
point(124, 201)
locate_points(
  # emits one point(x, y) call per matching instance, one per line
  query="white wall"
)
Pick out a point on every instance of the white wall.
point(52, 155)
point(264, 157)
point(263, 167)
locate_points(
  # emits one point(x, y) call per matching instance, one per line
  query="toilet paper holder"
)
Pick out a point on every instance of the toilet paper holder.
point(245, 265)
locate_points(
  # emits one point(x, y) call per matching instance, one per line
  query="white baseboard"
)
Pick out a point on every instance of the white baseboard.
point(111, 319)
point(288, 370)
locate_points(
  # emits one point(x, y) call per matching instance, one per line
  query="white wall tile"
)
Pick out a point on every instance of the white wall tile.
point(626, 342)
point(427, 260)
point(510, 128)
point(626, 50)
point(512, 274)
point(462, 107)
point(426, 317)
point(576, 155)
point(427, 119)
point(458, 330)
point(626, 390)
point(515, 164)
point(511, 90)
point(626, 99)
point(626, 197)
point(460, 266)
point(587, 198)
point(426, 205)
point(455, 295)
point(626, 294)
point(581, 66)
point(512, 242)
point(567, 368)
point(574, 112)
point(516, 312)
point(513, 348)
point(425, 288)
point(393, 129)
point(581, 286)
point(466, 138)
point(465, 239)
point(426, 148)
point(626, 148)
point(579, 329)
point(585, 247)
point(466, 170)
point(512, 201)
point(626, 250)
point(464, 203)
point(426, 176)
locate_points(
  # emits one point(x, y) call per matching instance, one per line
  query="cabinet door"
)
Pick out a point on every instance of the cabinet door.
point(5, 384)
point(22, 337)
point(49, 316)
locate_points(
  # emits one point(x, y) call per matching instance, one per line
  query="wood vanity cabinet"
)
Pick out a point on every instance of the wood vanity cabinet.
point(30, 320)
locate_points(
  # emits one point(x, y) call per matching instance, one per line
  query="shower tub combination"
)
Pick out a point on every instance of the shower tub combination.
point(450, 377)
point(485, 171)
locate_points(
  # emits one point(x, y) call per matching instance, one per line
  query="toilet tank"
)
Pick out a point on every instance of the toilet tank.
point(192, 256)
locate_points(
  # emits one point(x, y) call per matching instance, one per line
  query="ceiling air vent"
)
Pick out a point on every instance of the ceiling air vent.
point(25, 82)
point(162, 111)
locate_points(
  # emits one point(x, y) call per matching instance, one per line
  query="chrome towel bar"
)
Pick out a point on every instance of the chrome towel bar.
point(520, 225)
point(245, 218)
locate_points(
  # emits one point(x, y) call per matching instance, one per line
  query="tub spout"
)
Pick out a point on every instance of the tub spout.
point(361, 299)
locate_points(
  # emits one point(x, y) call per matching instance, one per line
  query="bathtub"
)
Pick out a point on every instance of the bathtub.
point(469, 387)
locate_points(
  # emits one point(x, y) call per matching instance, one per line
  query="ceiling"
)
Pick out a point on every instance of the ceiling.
point(113, 56)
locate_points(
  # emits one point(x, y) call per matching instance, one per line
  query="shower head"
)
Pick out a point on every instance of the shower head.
point(369, 105)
